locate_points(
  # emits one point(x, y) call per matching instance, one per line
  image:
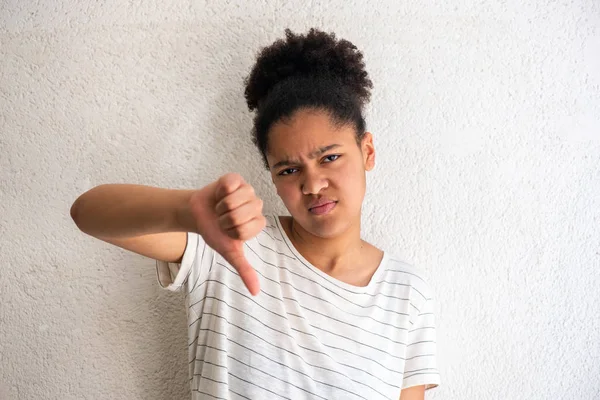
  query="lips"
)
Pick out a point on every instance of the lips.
point(322, 206)
point(320, 202)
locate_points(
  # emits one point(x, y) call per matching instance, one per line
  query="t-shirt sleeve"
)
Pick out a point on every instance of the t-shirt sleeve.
point(193, 269)
point(420, 366)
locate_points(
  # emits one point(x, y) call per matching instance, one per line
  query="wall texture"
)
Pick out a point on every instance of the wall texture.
point(487, 119)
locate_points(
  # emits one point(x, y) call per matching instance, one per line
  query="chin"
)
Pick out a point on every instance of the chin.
point(325, 231)
point(324, 226)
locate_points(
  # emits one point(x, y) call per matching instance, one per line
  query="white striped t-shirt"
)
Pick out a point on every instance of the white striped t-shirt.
point(306, 335)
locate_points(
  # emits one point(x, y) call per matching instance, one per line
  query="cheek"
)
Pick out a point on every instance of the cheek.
point(286, 192)
point(351, 172)
point(351, 178)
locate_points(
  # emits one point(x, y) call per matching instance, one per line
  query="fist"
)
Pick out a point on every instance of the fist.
point(227, 212)
point(237, 207)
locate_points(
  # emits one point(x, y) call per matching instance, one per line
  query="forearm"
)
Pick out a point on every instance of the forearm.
point(127, 210)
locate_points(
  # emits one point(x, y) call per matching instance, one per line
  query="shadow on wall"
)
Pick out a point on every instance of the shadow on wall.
point(156, 317)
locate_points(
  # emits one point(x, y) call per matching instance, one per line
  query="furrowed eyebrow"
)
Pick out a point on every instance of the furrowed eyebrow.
point(312, 155)
point(322, 150)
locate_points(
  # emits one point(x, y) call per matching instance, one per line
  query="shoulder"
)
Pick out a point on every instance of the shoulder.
point(273, 228)
point(271, 239)
point(272, 222)
point(400, 272)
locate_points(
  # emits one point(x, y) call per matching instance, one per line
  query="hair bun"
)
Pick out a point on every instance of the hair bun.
point(316, 54)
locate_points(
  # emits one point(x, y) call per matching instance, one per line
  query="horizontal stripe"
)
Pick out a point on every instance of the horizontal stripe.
point(208, 394)
point(275, 251)
point(273, 376)
point(312, 350)
point(422, 369)
point(302, 359)
point(421, 373)
point(199, 272)
point(224, 383)
point(423, 341)
point(304, 336)
point(310, 268)
point(271, 236)
point(244, 380)
point(293, 339)
point(295, 329)
point(325, 288)
point(317, 298)
point(420, 355)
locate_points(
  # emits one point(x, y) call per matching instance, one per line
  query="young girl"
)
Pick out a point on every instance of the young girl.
point(286, 307)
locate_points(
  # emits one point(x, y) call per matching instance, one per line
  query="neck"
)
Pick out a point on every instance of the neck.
point(329, 254)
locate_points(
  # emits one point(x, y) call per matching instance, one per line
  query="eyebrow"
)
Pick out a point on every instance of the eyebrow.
point(312, 155)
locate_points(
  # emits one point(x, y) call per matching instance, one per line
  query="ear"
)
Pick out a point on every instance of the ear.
point(368, 150)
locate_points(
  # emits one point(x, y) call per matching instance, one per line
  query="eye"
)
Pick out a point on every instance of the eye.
point(287, 171)
point(331, 158)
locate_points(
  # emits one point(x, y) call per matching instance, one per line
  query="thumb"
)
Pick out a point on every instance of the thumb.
point(249, 276)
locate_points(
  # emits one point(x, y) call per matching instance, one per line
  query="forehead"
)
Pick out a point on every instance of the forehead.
point(305, 132)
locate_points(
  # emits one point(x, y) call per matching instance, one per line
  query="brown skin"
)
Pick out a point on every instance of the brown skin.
point(413, 393)
point(153, 221)
point(330, 242)
point(304, 167)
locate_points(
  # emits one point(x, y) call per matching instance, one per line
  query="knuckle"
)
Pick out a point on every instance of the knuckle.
point(234, 178)
point(242, 233)
point(229, 175)
point(228, 187)
point(229, 182)
point(224, 222)
point(228, 204)
point(223, 179)
point(235, 234)
point(246, 231)
point(227, 221)
point(232, 217)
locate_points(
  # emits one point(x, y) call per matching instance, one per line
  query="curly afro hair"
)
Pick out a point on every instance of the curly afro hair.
point(315, 71)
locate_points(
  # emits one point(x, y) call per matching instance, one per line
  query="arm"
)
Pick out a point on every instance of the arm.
point(146, 220)
point(154, 222)
point(413, 393)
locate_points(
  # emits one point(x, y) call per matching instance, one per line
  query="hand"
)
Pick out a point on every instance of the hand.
point(227, 213)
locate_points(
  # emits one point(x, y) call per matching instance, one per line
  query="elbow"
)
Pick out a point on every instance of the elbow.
point(81, 208)
point(78, 211)
point(75, 214)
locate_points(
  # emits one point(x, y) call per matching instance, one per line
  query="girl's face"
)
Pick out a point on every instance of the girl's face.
point(319, 171)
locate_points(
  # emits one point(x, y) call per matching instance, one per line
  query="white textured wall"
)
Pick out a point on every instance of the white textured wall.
point(487, 122)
